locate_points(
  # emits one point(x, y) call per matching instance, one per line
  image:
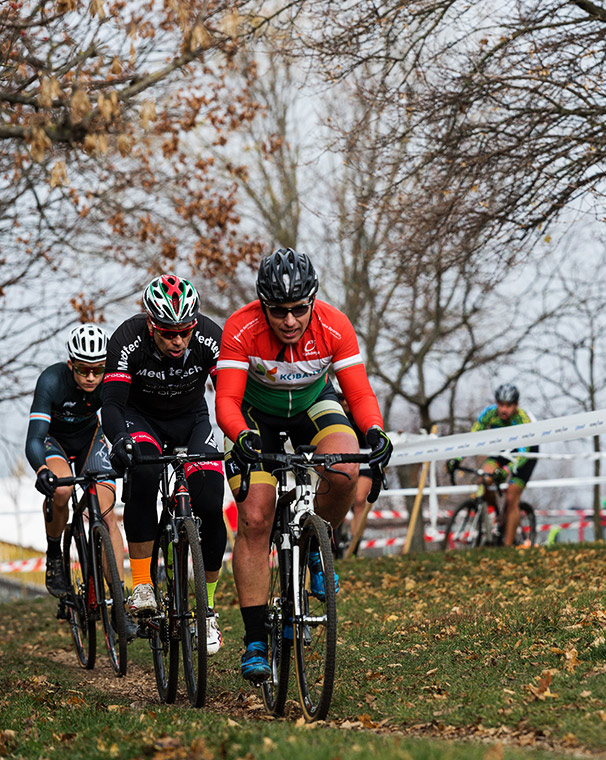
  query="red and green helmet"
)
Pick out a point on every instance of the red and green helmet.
point(169, 300)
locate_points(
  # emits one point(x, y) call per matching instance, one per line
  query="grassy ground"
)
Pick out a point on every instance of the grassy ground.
point(488, 654)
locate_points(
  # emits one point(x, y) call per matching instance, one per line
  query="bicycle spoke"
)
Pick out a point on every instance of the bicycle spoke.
point(192, 609)
point(165, 633)
point(315, 631)
point(464, 529)
point(110, 600)
point(275, 690)
point(75, 558)
point(526, 535)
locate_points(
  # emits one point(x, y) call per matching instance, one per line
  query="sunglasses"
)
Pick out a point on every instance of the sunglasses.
point(86, 371)
point(281, 312)
point(172, 334)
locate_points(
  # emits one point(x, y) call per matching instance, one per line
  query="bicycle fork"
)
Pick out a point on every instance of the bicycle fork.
point(303, 505)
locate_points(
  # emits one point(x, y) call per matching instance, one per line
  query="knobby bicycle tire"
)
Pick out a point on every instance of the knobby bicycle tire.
point(527, 530)
point(165, 632)
point(75, 561)
point(315, 632)
point(279, 609)
point(193, 605)
point(464, 529)
point(110, 599)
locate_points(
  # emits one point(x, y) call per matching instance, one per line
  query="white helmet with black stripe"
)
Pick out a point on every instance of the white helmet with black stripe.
point(87, 343)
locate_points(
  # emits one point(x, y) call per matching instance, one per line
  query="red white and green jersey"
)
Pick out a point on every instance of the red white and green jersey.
point(256, 368)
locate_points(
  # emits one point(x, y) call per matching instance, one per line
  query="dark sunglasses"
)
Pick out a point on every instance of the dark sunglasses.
point(172, 334)
point(86, 371)
point(281, 312)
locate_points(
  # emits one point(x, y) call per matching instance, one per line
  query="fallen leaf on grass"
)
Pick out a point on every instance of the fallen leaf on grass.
point(542, 690)
point(8, 737)
point(571, 661)
point(366, 721)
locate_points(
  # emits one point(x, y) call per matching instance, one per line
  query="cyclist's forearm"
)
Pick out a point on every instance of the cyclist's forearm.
point(115, 396)
point(34, 444)
point(360, 397)
point(230, 392)
point(114, 423)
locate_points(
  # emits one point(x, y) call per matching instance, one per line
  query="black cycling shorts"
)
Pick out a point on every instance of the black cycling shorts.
point(521, 475)
point(90, 452)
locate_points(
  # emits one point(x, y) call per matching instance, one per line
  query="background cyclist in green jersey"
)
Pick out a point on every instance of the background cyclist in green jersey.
point(503, 413)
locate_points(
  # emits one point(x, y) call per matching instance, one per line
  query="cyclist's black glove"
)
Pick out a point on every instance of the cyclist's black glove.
point(380, 445)
point(46, 482)
point(452, 464)
point(124, 452)
point(500, 475)
point(246, 449)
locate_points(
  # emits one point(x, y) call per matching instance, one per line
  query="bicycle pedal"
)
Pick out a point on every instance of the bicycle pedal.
point(62, 611)
point(144, 632)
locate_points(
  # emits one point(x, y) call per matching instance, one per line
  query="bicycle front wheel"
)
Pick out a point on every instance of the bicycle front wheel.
point(192, 605)
point(75, 561)
point(165, 632)
point(110, 599)
point(464, 529)
point(526, 534)
point(315, 629)
point(275, 689)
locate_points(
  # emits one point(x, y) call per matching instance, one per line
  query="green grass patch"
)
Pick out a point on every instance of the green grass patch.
point(486, 654)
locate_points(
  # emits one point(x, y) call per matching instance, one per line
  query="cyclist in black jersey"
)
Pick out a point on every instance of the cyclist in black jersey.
point(64, 423)
point(157, 367)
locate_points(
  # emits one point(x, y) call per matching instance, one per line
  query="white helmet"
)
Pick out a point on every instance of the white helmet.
point(87, 343)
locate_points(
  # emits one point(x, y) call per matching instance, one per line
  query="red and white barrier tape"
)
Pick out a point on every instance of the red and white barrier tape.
point(393, 514)
point(380, 543)
point(32, 565)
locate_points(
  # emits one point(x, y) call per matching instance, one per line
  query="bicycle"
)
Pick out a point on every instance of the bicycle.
point(179, 580)
point(475, 522)
point(295, 616)
point(94, 587)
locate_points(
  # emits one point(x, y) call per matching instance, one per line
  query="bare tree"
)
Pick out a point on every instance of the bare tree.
point(568, 362)
point(500, 106)
point(101, 184)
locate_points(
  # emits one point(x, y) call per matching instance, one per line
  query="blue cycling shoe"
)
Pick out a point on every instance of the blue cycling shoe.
point(255, 667)
point(316, 577)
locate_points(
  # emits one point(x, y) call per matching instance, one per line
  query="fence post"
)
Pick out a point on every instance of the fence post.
point(417, 503)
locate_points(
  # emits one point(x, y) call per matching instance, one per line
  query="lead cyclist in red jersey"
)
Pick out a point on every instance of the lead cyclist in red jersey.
point(272, 377)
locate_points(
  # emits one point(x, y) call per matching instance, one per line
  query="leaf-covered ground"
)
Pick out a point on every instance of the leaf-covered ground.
point(504, 649)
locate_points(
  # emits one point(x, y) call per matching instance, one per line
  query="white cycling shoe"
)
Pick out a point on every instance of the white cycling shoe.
point(214, 639)
point(142, 599)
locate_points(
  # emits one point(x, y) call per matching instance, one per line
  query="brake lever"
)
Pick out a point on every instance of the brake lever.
point(330, 468)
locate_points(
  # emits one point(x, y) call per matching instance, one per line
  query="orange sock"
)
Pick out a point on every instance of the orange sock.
point(141, 570)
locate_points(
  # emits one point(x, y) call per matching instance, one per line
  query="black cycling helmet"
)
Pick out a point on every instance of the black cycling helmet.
point(285, 276)
point(507, 393)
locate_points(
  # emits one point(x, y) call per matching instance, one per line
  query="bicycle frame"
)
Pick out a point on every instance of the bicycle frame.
point(181, 614)
point(89, 601)
point(481, 528)
point(297, 533)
